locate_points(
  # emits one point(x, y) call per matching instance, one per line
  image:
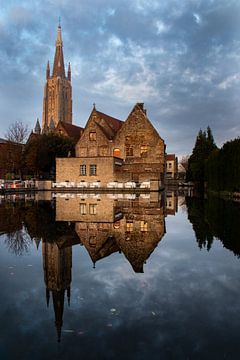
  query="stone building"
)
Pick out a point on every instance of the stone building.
point(57, 101)
point(114, 150)
point(171, 166)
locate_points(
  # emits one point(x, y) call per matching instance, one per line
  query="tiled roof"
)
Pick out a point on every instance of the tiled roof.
point(72, 131)
point(170, 157)
point(114, 123)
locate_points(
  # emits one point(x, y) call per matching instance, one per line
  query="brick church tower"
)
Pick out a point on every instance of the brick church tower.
point(57, 102)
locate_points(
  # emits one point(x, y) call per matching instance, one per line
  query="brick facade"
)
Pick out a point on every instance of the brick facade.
point(135, 142)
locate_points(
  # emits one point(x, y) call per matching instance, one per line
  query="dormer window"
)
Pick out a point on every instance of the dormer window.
point(92, 136)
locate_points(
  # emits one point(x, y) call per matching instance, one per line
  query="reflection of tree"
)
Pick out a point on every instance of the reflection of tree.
point(21, 221)
point(196, 215)
point(215, 217)
point(18, 242)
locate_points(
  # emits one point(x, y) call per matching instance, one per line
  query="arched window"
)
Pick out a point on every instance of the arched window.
point(117, 152)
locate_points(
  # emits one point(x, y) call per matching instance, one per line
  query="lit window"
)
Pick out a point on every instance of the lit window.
point(83, 170)
point(116, 225)
point(92, 136)
point(144, 226)
point(129, 150)
point(83, 209)
point(144, 150)
point(117, 152)
point(93, 170)
point(92, 209)
point(129, 226)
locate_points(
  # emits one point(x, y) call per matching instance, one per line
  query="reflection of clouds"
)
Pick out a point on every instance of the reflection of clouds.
point(185, 304)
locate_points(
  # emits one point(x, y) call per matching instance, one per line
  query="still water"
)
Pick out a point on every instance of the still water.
point(119, 276)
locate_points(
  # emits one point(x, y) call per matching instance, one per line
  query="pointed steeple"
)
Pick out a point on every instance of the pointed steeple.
point(68, 295)
point(58, 304)
point(47, 296)
point(58, 66)
point(69, 72)
point(37, 128)
point(48, 71)
point(51, 125)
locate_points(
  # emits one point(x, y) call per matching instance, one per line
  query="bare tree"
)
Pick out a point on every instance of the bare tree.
point(17, 132)
point(184, 161)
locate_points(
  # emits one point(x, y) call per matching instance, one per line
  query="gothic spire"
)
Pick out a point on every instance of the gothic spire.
point(37, 128)
point(69, 72)
point(58, 66)
point(48, 71)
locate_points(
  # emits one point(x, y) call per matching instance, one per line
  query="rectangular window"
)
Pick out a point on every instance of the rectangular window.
point(92, 209)
point(83, 170)
point(92, 136)
point(93, 170)
point(144, 226)
point(129, 150)
point(169, 165)
point(129, 226)
point(83, 209)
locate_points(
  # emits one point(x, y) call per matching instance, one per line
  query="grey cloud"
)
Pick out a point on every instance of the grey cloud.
point(181, 59)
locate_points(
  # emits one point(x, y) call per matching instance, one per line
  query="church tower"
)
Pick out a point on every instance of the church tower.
point(57, 101)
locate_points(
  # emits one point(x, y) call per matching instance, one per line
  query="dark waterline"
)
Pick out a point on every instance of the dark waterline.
point(143, 280)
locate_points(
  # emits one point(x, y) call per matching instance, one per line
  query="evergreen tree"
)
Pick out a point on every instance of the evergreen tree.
point(41, 152)
point(204, 146)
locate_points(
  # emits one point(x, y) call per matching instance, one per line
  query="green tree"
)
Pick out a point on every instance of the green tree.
point(41, 152)
point(204, 146)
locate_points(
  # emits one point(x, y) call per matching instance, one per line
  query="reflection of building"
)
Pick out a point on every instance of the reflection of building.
point(171, 203)
point(57, 264)
point(133, 227)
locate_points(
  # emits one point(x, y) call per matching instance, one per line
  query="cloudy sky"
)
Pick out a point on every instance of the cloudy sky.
point(181, 58)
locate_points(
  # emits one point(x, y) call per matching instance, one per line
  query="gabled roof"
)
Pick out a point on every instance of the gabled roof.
point(72, 131)
point(170, 157)
point(114, 123)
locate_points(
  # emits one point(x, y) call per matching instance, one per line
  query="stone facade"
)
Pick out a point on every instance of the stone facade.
point(69, 170)
point(122, 151)
point(57, 102)
point(118, 225)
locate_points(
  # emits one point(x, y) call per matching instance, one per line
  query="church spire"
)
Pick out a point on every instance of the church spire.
point(58, 66)
point(48, 71)
point(37, 128)
point(69, 72)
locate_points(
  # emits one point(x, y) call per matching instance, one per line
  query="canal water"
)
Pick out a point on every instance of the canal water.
point(119, 276)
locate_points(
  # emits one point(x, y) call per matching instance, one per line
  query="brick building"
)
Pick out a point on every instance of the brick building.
point(114, 150)
point(10, 158)
point(57, 101)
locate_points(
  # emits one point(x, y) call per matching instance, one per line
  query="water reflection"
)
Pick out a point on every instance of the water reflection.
point(106, 224)
point(215, 218)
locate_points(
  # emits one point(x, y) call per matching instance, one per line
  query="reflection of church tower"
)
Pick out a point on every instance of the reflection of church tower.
point(57, 102)
point(57, 264)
